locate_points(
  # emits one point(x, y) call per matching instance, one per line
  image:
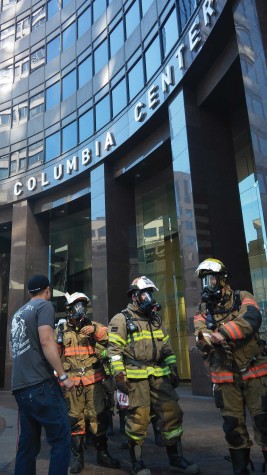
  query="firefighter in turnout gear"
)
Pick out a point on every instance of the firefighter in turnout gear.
point(144, 368)
point(226, 329)
point(77, 337)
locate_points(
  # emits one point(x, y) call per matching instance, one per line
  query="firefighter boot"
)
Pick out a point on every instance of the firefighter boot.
point(177, 460)
point(240, 461)
point(138, 466)
point(110, 430)
point(77, 458)
point(103, 458)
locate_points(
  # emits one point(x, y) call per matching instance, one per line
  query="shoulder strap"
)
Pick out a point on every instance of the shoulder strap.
point(237, 300)
point(130, 325)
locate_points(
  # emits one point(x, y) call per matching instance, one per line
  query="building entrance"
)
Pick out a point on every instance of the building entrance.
point(159, 256)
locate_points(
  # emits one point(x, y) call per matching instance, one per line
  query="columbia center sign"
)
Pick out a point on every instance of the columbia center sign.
point(189, 46)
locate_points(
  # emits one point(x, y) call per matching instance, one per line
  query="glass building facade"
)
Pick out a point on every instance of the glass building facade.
point(132, 141)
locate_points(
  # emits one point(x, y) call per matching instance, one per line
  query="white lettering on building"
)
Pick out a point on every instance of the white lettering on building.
point(68, 167)
point(208, 11)
point(71, 165)
point(58, 171)
point(195, 39)
point(109, 141)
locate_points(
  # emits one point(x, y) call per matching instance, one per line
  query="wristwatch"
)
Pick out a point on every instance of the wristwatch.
point(63, 377)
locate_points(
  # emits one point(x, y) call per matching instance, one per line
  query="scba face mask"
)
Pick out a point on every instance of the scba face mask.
point(211, 283)
point(146, 301)
point(78, 310)
point(212, 288)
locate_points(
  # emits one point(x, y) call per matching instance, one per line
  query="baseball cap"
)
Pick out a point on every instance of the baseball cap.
point(37, 283)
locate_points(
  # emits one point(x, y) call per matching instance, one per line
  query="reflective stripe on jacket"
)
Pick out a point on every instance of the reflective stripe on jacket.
point(78, 354)
point(142, 353)
point(242, 351)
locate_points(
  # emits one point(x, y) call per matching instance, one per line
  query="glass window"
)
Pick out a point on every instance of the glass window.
point(37, 59)
point(116, 39)
point(69, 136)
point(23, 28)
point(119, 97)
point(7, 3)
point(6, 75)
point(86, 125)
point(52, 96)
point(70, 242)
point(152, 58)
point(132, 18)
point(85, 71)
point(38, 17)
point(22, 69)
point(4, 162)
point(52, 146)
point(18, 161)
point(5, 118)
point(7, 37)
point(69, 36)
point(169, 33)
point(65, 2)
point(186, 10)
point(84, 22)
point(53, 49)
point(20, 113)
point(145, 5)
point(14, 163)
point(102, 112)
point(69, 86)
point(101, 56)
point(36, 104)
point(98, 8)
point(53, 6)
point(35, 154)
point(135, 79)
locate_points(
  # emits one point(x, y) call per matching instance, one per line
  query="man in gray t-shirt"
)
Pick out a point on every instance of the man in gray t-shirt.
point(40, 401)
point(29, 363)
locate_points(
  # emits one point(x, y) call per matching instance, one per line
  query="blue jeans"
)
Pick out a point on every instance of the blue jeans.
point(43, 405)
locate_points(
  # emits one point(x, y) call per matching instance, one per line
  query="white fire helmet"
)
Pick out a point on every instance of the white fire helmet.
point(141, 283)
point(76, 297)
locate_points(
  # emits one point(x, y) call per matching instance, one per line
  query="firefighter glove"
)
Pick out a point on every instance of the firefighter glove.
point(174, 376)
point(202, 343)
point(122, 383)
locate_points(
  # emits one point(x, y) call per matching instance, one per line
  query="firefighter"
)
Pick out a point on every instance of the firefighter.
point(109, 384)
point(226, 329)
point(144, 368)
point(77, 337)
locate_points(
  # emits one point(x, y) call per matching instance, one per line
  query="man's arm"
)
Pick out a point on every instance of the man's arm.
point(50, 350)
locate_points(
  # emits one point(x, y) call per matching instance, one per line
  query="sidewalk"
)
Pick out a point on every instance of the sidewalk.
point(203, 441)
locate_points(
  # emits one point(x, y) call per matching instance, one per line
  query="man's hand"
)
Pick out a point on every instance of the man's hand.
point(202, 343)
point(88, 329)
point(174, 376)
point(68, 384)
point(216, 337)
point(122, 383)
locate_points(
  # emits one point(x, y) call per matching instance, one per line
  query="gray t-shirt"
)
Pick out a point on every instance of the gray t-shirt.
point(29, 363)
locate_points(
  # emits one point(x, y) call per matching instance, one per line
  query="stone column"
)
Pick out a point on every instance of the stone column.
point(29, 255)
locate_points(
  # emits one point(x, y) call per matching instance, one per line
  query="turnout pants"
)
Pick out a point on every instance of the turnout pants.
point(88, 402)
point(232, 399)
point(158, 396)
